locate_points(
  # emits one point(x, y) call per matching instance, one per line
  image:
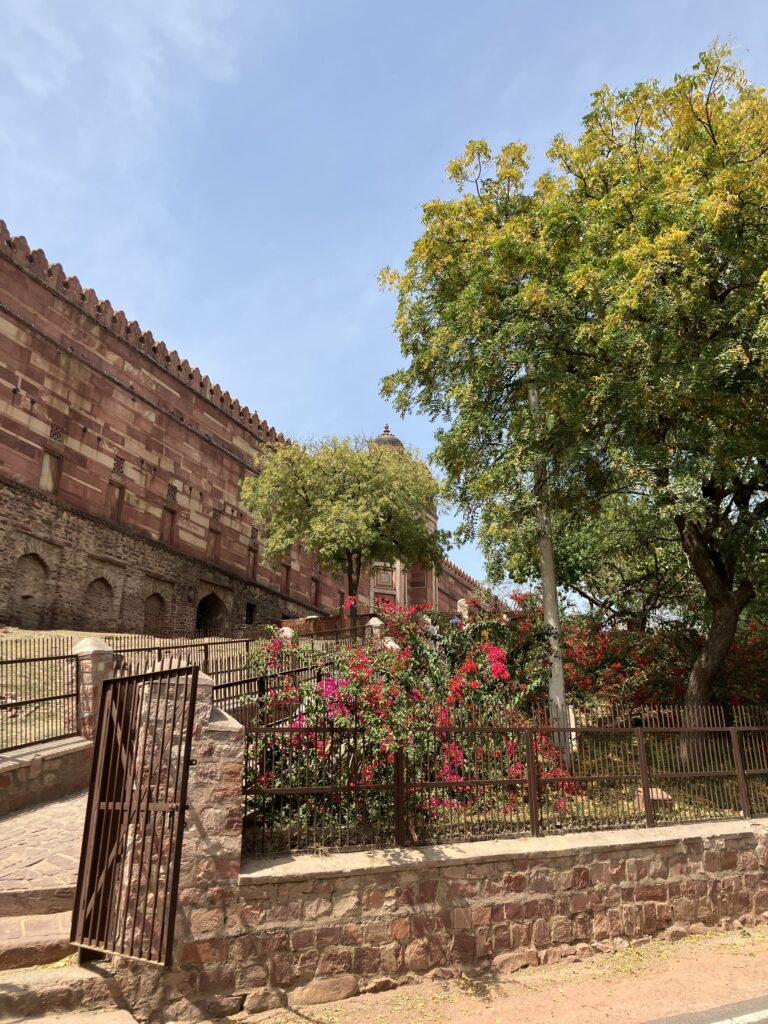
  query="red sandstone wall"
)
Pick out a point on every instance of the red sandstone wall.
point(129, 424)
point(452, 586)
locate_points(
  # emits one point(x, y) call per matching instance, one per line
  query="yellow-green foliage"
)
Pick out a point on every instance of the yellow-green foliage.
point(628, 283)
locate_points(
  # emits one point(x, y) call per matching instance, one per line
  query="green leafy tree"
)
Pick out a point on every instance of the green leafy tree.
point(628, 286)
point(354, 504)
point(625, 560)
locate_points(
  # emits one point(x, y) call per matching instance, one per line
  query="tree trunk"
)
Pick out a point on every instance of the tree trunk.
point(725, 620)
point(353, 582)
point(726, 603)
point(548, 579)
point(558, 708)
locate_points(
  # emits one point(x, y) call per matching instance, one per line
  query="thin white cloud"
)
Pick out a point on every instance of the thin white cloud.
point(38, 52)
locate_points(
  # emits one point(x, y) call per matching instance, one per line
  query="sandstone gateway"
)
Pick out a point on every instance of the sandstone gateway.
point(120, 467)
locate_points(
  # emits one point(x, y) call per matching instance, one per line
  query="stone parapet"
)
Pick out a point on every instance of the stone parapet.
point(309, 929)
point(46, 771)
point(324, 927)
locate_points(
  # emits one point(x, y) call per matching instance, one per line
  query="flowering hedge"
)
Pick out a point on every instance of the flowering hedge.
point(499, 657)
point(452, 699)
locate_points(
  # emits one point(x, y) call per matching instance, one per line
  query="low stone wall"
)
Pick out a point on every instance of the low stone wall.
point(324, 928)
point(47, 771)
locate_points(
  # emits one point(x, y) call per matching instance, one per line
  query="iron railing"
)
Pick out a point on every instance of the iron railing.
point(245, 697)
point(460, 775)
point(38, 700)
point(212, 657)
point(39, 693)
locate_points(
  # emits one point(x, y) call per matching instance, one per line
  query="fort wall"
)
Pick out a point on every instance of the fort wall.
point(120, 470)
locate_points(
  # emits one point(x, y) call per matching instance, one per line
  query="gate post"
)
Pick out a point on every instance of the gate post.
point(208, 977)
point(210, 861)
point(95, 663)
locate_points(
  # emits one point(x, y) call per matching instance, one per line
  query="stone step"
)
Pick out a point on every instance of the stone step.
point(84, 1017)
point(33, 901)
point(38, 992)
point(35, 940)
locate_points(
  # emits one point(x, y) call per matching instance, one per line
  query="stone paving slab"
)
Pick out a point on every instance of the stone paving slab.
point(39, 992)
point(40, 847)
point(35, 926)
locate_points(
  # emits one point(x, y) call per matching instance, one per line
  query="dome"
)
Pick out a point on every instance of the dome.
point(386, 437)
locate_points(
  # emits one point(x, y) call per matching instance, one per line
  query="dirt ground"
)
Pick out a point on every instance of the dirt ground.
point(631, 986)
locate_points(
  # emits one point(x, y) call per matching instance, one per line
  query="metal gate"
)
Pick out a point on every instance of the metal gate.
point(128, 881)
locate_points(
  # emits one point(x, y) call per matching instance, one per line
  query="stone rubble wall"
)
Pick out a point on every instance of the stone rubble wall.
point(330, 937)
point(278, 938)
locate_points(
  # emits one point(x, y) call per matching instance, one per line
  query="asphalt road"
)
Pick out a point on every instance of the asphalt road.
point(753, 1011)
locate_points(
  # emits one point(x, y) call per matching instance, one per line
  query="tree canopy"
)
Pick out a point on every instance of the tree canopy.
point(355, 504)
point(629, 285)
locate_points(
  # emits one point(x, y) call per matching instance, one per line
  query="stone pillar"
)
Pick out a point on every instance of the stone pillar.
point(377, 627)
point(95, 663)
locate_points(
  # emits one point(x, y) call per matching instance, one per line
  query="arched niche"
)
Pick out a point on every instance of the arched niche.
point(29, 595)
point(212, 615)
point(155, 614)
point(99, 605)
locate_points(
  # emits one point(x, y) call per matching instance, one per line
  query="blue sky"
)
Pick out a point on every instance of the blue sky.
point(233, 174)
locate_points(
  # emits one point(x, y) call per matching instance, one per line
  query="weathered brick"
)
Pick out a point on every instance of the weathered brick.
point(207, 920)
point(481, 915)
point(483, 941)
point(400, 929)
point(391, 958)
point(366, 960)
point(463, 948)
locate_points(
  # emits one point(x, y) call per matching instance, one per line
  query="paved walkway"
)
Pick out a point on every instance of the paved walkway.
point(40, 847)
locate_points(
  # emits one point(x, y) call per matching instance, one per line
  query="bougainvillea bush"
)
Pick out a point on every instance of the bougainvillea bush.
point(440, 706)
point(444, 706)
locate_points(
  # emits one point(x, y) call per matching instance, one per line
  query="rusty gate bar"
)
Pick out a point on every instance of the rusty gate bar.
point(644, 783)
point(740, 775)
point(127, 886)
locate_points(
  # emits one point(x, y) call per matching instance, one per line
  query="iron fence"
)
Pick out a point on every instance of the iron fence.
point(247, 697)
point(462, 774)
point(213, 657)
point(22, 646)
point(38, 700)
point(39, 693)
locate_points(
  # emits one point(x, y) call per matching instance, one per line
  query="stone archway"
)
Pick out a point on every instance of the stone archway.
point(155, 613)
point(30, 583)
point(212, 615)
point(99, 605)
